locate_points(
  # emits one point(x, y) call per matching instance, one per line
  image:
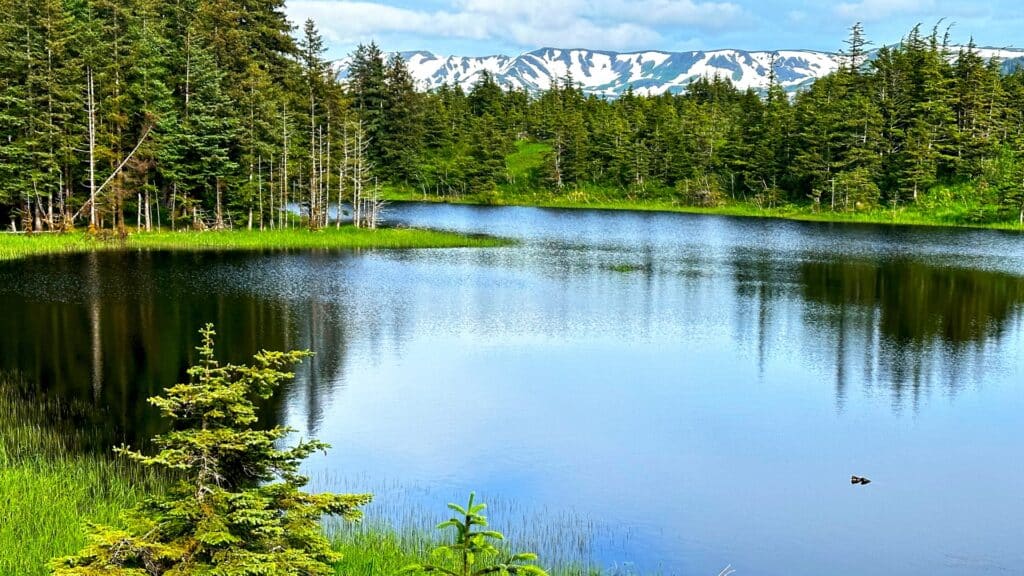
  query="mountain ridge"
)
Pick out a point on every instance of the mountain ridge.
point(610, 73)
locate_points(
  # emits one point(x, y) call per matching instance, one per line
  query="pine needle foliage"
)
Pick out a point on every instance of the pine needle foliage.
point(237, 507)
point(473, 551)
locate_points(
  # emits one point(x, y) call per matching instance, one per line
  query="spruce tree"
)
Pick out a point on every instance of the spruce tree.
point(403, 128)
point(236, 507)
point(202, 166)
point(473, 551)
point(487, 155)
point(367, 85)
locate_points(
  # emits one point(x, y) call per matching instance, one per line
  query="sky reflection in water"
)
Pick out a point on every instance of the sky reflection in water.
point(699, 388)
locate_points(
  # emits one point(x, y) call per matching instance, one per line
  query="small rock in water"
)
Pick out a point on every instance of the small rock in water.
point(859, 480)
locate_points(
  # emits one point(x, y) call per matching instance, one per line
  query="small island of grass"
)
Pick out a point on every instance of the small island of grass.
point(15, 246)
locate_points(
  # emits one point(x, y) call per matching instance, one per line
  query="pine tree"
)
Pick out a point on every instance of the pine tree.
point(403, 128)
point(314, 70)
point(768, 159)
point(202, 166)
point(151, 100)
point(855, 53)
point(488, 148)
point(472, 551)
point(16, 107)
point(237, 507)
point(368, 87)
point(486, 97)
point(976, 100)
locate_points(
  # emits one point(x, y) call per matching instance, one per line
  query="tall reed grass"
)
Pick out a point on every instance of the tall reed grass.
point(52, 483)
point(50, 486)
point(399, 529)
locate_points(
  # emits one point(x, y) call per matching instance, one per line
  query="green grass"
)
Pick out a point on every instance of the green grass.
point(14, 246)
point(527, 159)
point(51, 485)
point(377, 552)
point(383, 551)
point(399, 528)
point(596, 199)
point(49, 488)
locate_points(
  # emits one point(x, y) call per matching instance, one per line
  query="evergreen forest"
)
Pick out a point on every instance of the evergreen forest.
point(194, 113)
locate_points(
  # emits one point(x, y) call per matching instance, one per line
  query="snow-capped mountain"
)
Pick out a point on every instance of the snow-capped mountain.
point(612, 73)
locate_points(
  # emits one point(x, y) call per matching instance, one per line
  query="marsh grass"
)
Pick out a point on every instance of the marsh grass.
point(399, 529)
point(14, 246)
point(50, 485)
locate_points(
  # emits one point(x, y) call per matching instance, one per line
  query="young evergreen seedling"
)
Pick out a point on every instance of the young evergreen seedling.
point(236, 507)
point(472, 552)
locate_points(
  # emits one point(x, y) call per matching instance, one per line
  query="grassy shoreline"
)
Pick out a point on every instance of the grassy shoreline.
point(15, 246)
point(903, 216)
point(51, 486)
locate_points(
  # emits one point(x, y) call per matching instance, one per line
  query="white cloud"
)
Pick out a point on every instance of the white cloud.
point(349, 22)
point(715, 15)
point(612, 24)
point(875, 10)
point(797, 16)
point(648, 12)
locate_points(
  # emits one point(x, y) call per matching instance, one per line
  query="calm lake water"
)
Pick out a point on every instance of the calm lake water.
point(685, 392)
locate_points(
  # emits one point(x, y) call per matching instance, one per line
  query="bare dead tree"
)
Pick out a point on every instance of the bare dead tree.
point(259, 187)
point(341, 171)
point(91, 110)
point(284, 170)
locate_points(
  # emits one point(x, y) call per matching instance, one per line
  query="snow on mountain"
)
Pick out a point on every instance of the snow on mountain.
point(653, 72)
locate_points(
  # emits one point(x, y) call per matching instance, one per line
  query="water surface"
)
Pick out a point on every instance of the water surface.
point(689, 391)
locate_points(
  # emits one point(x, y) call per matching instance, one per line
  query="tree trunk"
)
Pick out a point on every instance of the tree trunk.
point(313, 216)
point(220, 213)
point(91, 108)
point(271, 187)
point(259, 187)
point(284, 175)
point(26, 215)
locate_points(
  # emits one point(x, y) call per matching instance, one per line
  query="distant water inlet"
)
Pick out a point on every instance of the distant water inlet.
point(646, 393)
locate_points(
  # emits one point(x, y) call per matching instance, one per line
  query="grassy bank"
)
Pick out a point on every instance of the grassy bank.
point(14, 246)
point(49, 488)
point(381, 552)
point(958, 205)
point(601, 200)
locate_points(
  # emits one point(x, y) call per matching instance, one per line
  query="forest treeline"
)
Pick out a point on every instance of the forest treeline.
point(207, 113)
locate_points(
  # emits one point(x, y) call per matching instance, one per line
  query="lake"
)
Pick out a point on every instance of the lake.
point(662, 393)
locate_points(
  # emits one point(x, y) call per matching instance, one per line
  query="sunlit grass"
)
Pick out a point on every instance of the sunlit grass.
point(399, 528)
point(51, 485)
point(14, 246)
point(49, 488)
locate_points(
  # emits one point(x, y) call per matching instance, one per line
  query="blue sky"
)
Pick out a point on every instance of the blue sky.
point(480, 27)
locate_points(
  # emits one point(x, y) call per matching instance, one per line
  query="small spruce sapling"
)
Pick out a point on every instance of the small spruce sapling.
point(473, 552)
point(236, 507)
